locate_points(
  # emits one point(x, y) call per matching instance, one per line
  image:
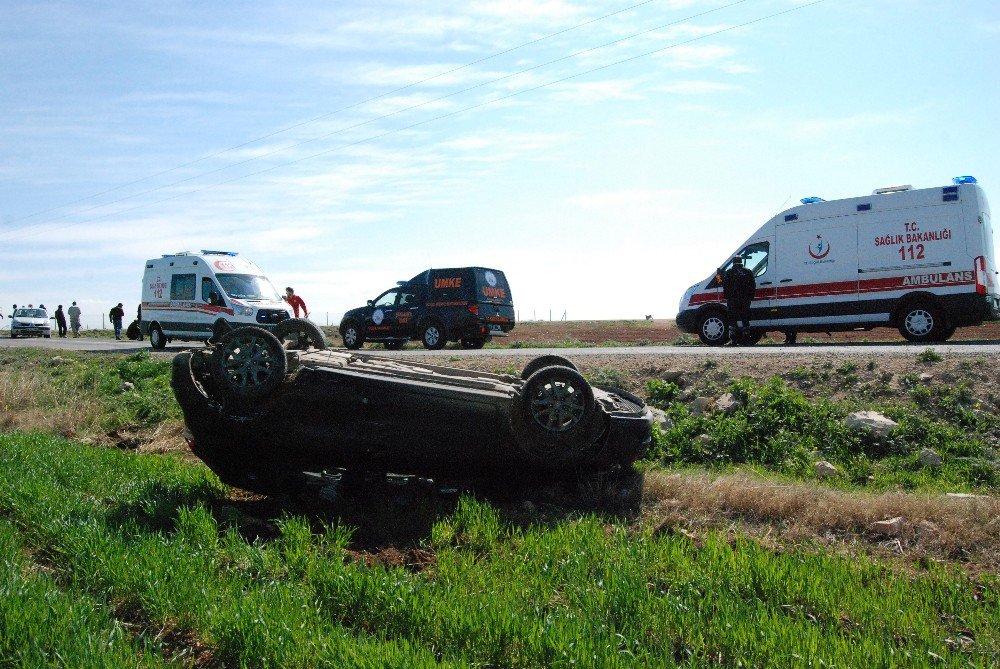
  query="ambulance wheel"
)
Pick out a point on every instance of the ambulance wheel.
point(919, 322)
point(248, 364)
point(473, 342)
point(712, 329)
point(557, 408)
point(298, 334)
point(433, 335)
point(394, 344)
point(546, 361)
point(156, 338)
point(353, 337)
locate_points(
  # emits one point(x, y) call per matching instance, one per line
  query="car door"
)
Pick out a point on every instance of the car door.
point(382, 318)
point(407, 312)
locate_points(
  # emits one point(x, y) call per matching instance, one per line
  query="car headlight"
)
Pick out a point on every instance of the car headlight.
point(244, 311)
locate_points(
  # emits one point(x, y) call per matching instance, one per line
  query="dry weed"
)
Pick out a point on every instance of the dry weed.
point(966, 530)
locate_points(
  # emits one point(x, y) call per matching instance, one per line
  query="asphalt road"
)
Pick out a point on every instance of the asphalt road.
point(972, 348)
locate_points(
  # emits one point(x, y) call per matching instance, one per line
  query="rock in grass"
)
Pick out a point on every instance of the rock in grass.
point(930, 458)
point(926, 378)
point(674, 376)
point(872, 421)
point(824, 469)
point(891, 527)
point(727, 404)
point(700, 405)
point(661, 418)
point(126, 387)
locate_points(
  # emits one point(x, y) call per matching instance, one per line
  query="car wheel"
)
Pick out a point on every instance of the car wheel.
point(248, 364)
point(944, 334)
point(473, 342)
point(156, 338)
point(919, 322)
point(353, 337)
point(298, 334)
point(394, 344)
point(546, 361)
point(433, 336)
point(556, 411)
point(712, 329)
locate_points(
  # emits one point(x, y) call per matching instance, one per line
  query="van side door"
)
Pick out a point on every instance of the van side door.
point(382, 321)
point(757, 258)
point(816, 265)
point(408, 310)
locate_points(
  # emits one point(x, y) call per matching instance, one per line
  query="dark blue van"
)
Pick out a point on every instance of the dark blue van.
point(470, 305)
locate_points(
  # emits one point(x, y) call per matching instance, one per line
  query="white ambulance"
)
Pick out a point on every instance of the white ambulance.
point(920, 260)
point(193, 296)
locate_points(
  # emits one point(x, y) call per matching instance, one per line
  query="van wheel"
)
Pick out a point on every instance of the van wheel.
point(557, 408)
point(546, 361)
point(433, 336)
point(248, 364)
point(712, 329)
point(298, 334)
point(919, 322)
point(156, 338)
point(353, 337)
point(473, 342)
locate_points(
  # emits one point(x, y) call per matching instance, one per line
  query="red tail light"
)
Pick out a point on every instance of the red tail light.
point(474, 308)
point(980, 271)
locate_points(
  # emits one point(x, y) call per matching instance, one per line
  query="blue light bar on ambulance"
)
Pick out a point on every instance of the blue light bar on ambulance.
point(206, 252)
point(964, 180)
point(811, 200)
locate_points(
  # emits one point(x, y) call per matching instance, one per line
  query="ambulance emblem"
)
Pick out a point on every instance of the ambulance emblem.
point(819, 249)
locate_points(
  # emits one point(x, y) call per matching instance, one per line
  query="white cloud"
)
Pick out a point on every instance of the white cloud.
point(595, 91)
point(695, 87)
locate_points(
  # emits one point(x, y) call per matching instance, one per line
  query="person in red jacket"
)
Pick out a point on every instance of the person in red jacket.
point(296, 302)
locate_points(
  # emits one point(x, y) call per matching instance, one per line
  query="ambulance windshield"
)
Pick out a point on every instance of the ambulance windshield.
point(248, 287)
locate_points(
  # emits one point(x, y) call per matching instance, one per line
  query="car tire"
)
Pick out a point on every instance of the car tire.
point(433, 335)
point(305, 333)
point(919, 322)
point(394, 344)
point(556, 410)
point(712, 328)
point(546, 361)
point(944, 334)
point(156, 339)
point(473, 342)
point(353, 337)
point(248, 364)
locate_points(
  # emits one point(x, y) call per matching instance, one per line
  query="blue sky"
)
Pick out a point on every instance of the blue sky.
point(317, 139)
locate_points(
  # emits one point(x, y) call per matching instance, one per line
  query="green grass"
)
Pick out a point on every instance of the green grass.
point(781, 430)
point(126, 532)
point(136, 533)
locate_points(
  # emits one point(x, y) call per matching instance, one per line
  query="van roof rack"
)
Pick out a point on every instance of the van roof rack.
point(892, 189)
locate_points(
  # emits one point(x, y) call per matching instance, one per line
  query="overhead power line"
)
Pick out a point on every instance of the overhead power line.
point(439, 117)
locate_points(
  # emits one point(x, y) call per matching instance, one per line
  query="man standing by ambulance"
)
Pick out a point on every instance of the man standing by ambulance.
point(296, 302)
point(738, 287)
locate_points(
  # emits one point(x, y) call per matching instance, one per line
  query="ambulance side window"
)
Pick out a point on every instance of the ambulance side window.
point(182, 287)
point(754, 258)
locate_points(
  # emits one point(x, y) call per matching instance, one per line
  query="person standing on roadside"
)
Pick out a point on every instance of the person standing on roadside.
point(296, 302)
point(116, 315)
point(74, 319)
point(61, 321)
point(738, 287)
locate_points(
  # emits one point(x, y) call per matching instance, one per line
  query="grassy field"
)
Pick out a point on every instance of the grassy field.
point(131, 556)
point(114, 557)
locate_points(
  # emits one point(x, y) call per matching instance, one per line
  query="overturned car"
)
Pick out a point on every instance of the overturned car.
point(272, 420)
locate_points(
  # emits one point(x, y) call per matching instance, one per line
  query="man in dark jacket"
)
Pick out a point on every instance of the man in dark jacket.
point(116, 315)
point(738, 286)
point(61, 321)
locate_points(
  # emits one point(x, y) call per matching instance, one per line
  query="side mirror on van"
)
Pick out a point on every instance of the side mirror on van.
point(371, 302)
